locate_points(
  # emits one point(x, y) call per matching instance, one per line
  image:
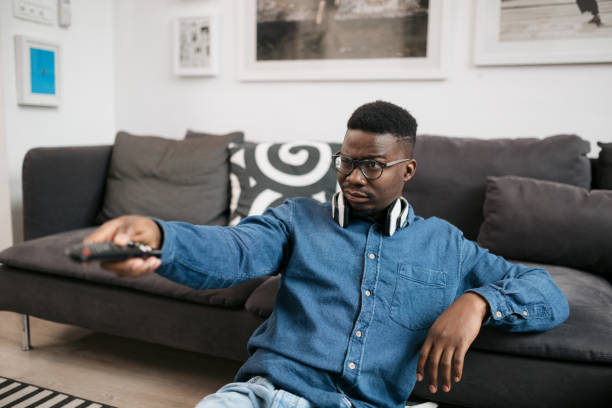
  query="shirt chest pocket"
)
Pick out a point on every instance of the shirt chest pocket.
point(419, 297)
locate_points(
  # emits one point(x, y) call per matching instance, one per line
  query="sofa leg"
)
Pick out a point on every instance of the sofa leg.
point(25, 332)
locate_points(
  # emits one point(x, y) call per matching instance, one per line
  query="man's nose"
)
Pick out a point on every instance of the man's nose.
point(356, 176)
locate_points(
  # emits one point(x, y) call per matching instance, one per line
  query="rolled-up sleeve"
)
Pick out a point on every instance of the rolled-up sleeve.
point(520, 298)
point(205, 257)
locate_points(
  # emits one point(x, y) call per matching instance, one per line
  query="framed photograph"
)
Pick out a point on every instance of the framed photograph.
point(196, 46)
point(280, 40)
point(37, 64)
point(528, 32)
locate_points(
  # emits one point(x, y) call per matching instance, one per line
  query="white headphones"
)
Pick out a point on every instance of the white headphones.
point(397, 213)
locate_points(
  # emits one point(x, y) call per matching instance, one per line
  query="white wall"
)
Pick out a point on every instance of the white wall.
point(479, 102)
point(86, 113)
point(6, 226)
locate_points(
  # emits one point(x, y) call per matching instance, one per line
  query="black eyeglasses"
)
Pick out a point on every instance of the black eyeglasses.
point(371, 169)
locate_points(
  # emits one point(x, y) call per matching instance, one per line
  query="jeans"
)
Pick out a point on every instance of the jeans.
point(257, 393)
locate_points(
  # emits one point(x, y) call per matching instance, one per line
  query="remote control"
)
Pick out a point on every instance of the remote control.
point(109, 251)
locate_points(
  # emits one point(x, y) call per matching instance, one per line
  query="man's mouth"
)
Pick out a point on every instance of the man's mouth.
point(356, 196)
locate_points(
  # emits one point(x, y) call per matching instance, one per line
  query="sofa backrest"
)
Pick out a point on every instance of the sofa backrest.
point(451, 173)
point(63, 188)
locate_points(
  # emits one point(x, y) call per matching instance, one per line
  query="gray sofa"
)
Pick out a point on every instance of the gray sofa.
point(569, 366)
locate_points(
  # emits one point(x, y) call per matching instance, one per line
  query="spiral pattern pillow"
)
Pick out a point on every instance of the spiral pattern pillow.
point(263, 175)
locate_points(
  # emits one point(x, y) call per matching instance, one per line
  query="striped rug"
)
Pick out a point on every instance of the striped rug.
point(15, 394)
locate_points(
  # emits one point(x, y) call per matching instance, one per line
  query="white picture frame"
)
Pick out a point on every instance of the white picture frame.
point(431, 67)
point(38, 71)
point(196, 45)
point(490, 50)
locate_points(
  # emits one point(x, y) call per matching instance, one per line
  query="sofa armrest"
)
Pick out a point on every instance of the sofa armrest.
point(63, 188)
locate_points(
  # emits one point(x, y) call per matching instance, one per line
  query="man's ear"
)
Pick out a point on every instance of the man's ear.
point(409, 169)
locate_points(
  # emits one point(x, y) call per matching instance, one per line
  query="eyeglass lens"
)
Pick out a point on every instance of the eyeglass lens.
point(370, 168)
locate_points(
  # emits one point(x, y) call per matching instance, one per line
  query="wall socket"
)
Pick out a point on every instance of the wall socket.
point(38, 11)
point(64, 15)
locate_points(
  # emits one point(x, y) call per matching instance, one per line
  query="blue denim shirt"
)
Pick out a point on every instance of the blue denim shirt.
point(354, 306)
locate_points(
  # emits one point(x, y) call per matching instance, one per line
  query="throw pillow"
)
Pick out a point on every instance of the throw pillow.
point(451, 176)
point(263, 175)
point(604, 166)
point(235, 136)
point(175, 180)
point(548, 222)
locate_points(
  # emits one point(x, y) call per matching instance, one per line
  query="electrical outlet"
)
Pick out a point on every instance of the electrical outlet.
point(38, 11)
point(64, 15)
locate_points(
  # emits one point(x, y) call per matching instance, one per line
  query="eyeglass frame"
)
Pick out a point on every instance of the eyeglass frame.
point(359, 162)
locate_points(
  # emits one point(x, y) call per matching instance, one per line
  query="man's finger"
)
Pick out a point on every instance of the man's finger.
point(458, 360)
point(432, 368)
point(423, 354)
point(133, 267)
point(445, 368)
point(106, 232)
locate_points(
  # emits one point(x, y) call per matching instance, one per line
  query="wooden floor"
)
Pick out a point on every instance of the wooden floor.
point(112, 370)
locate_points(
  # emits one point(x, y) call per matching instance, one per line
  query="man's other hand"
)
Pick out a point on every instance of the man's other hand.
point(448, 340)
point(121, 231)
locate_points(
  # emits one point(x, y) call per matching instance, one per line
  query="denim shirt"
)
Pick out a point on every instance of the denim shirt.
point(354, 305)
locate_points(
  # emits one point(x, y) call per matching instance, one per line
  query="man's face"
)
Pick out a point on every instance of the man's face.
point(373, 196)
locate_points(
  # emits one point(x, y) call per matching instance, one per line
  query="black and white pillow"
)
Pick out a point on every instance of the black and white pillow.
point(263, 175)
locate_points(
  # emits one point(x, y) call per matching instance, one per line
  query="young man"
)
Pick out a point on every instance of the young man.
point(372, 298)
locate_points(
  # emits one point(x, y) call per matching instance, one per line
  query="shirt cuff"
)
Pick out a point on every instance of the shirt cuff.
point(168, 245)
point(497, 304)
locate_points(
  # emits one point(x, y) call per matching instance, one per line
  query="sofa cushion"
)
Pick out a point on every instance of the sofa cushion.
point(585, 336)
point(450, 179)
point(175, 180)
point(543, 221)
point(604, 167)
point(263, 175)
point(236, 136)
point(261, 301)
point(46, 255)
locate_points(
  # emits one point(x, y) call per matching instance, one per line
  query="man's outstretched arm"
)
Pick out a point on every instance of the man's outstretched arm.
point(203, 256)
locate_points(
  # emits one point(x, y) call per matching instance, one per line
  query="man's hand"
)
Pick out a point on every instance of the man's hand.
point(449, 339)
point(121, 231)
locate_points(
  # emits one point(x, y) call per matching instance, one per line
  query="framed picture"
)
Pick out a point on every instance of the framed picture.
point(38, 71)
point(196, 46)
point(283, 40)
point(527, 32)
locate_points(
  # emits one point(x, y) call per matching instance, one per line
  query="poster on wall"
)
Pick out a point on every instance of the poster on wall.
point(195, 46)
point(526, 32)
point(37, 64)
point(341, 39)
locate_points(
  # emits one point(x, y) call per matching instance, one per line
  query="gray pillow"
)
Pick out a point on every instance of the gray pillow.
point(604, 166)
point(236, 136)
point(175, 180)
point(548, 222)
point(451, 176)
point(264, 175)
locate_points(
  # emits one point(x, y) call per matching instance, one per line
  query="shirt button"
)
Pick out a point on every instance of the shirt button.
point(368, 293)
point(498, 314)
point(525, 313)
point(352, 366)
point(371, 256)
point(358, 333)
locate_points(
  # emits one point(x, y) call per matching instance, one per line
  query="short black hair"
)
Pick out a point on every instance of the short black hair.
point(384, 117)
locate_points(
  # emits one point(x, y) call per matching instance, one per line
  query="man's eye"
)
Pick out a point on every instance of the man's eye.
point(371, 164)
point(345, 161)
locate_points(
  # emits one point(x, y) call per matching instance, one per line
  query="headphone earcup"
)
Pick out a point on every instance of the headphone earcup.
point(340, 211)
point(396, 216)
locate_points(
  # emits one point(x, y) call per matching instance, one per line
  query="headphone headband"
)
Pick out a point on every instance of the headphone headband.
point(397, 213)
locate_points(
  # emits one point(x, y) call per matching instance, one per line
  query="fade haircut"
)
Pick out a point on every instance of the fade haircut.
point(384, 117)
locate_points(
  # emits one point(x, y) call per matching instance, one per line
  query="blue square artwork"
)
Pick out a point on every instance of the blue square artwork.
point(42, 71)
